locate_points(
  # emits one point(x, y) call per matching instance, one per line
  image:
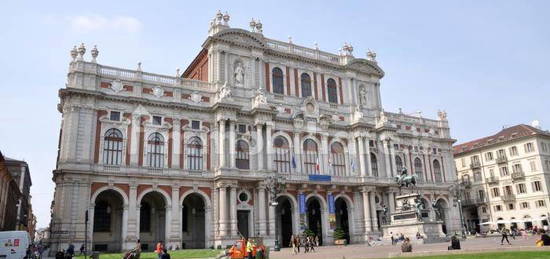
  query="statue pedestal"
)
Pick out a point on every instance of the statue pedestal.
point(408, 220)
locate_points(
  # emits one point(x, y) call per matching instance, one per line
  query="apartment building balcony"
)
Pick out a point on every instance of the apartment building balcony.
point(518, 175)
point(501, 159)
point(491, 180)
point(508, 197)
point(475, 165)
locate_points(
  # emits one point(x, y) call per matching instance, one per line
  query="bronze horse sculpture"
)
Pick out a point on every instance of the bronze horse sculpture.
point(405, 180)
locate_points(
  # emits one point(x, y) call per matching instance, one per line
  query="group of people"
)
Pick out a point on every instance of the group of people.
point(308, 242)
point(397, 239)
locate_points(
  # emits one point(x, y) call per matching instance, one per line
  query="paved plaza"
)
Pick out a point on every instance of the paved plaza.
point(384, 251)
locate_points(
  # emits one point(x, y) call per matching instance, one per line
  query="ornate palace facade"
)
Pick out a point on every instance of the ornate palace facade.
point(184, 158)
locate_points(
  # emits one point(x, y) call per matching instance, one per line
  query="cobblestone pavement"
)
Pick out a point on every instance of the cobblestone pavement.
point(384, 251)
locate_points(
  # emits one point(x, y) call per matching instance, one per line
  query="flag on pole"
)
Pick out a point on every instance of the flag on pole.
point(293, 162)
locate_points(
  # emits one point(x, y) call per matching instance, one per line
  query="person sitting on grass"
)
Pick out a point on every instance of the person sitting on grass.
point(406, 247)
point(544, 239)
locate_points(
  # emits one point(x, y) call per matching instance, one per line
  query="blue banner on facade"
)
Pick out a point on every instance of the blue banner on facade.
point(331, 207)
point(320, 178)
point(302, 201)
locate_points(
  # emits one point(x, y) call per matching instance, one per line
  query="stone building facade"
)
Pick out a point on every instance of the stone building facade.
point(184, 158)
point(506, 179)
point(9, 197)
point(19, 170)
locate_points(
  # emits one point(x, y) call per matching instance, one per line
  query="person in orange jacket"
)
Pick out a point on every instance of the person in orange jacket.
point(159, 248)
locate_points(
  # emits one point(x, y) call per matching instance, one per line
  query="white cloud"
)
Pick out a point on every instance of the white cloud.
point(97, 22)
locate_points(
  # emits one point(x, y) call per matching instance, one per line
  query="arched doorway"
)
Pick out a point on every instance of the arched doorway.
point(441, 206)
point(314, 221)
point(107, 222)
point(193, 226)
point(284, 212)
point(152, 220)
point(342, 217)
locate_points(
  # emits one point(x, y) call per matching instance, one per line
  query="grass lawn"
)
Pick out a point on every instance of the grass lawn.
point(493, 255)
point(187, 253)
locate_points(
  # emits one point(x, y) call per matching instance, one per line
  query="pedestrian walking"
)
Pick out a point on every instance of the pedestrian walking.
point(158, 249)
point(165, 254)
point(504, 236)
point(70, 251)
point(293, 244)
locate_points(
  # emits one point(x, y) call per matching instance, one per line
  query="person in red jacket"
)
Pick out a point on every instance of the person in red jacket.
point(159, 248)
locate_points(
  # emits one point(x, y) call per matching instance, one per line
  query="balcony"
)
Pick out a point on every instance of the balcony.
point(518, 175)
point(501, 159)
point(475, 165)
point(474, 202)
point(491, 180)
point(508, 197)
point(466, 184)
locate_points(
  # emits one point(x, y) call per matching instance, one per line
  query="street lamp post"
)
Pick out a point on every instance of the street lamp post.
point(275, 185)
point(457, 198)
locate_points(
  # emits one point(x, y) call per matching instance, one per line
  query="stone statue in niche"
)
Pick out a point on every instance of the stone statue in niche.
point(225, 92)
point(239, 74)
point(260, 98)
point(363, 95)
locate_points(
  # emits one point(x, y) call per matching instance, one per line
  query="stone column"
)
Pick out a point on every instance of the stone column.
point(391, 201)
point(297, 152)
point(233, 210)
point(221, 143)
point(269, 146)
point(175, 231)
point(232, 144)
point(261, 210)
point(352, 157)
point(392, 156)
point(373, 211)
point(134, 144)
point(366, 210)
point(176, 143)
point(387, 158)
point(325, 167)
point(259, 146)
point(132, 229)
point(223, 210)
point(271, 215)
point(367, 157)
point(362, 162)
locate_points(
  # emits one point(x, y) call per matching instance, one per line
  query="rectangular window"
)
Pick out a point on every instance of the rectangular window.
point(483, 210)
point(498, 208)
point(196, 125)
point(541, 204)
point(516, 168)
point(489, 156)
point(513, 151)
point(544, 147)
point(501, 153)
point(504, 171)
point(496, 192)
point(157, 120)
point(547, 162)
point(528, 147)
point(481, 195)
point(537, 186)
point(521, 188)
point(510, 206)
point(491, 172)
point(242, 128)
point(533, 165)
point(463, 162)
point(524, 205)
point(115, 116)
point(477, 176)
point(508, 190)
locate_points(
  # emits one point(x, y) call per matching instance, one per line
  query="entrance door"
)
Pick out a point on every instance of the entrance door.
point(242, 222)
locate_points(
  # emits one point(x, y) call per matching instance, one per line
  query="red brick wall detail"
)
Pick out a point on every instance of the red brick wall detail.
point(169, 94)
point(142, 187)
point(147, 90)
point(323, 86)
point(198, 69)
point(128, 88)
point(105, 85)
point(315, 86)
point(296, 87)
point(123, 187)
point(341, 91)
point(184, 189)
point(288, 81)
point(129, 137)
point(205, 99)
point(206, 190)
point(267, 82)
point(95, 187)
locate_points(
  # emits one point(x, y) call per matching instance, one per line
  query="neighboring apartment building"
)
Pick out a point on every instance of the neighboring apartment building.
point(21, 174)
point(184, 158)
point(9, 198)
point(506, 179)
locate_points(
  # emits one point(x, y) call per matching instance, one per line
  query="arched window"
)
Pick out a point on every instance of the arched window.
point(398, 164)
point(306, 84)
point(332, 91)
point(282, 155)
point(418, 168)
point(155, 155)
point(337, 159)
point(194, 154)
point(277, 78)
point(112, 147)
point(311, 157)
point(437, 172)
point(374, 164)
point(242, 159)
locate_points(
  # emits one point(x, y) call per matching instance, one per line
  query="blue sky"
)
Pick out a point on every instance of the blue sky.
point(484, 62)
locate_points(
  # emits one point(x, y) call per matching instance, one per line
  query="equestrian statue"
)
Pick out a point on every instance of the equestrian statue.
point(405, 180)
